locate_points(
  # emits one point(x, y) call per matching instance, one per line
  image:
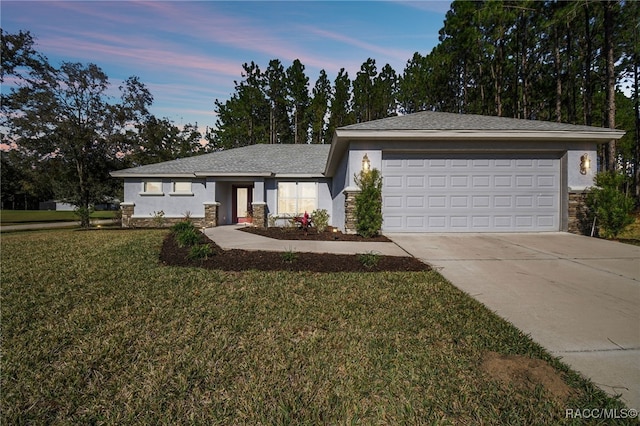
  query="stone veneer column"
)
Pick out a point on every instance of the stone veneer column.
point(350, 219)
point(127, 214)
point(211, 214)
point(259, 214)
point(577, 217)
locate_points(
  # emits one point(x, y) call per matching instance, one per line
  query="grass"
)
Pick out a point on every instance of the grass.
point(631, 233)
point(95, 331)
point(21, 217)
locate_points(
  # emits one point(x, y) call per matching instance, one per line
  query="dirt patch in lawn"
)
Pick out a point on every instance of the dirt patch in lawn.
point(525, 373)
point(244, 260)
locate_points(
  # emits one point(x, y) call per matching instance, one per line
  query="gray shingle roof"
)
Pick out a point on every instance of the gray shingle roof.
point(253, 159)
point(429, 120)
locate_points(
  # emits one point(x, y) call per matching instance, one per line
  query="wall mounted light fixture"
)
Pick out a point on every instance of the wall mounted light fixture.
point(585, 164)
point(366, 163)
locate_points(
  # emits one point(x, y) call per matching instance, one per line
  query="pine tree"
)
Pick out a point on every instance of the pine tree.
point(319, 107)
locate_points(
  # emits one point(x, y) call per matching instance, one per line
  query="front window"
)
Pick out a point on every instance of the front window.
point(182, 187)
point(152, 187)
point(297, 197)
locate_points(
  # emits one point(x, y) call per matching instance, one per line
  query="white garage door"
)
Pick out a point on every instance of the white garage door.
point(470, 193)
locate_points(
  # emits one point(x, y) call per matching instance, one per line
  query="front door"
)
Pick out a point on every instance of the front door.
point(242, 200)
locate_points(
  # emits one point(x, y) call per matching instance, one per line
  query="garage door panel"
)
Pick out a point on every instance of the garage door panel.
point(427, 194)
point(415, 222)
point(392, 181)
point(415, 182)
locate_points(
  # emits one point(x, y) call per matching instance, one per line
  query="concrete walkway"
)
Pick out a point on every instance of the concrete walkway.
point(230, 237)
point(51, 225)
point(579, 297)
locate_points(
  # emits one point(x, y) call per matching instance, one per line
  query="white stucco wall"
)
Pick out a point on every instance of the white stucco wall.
point(577, 181)
point(172, 204)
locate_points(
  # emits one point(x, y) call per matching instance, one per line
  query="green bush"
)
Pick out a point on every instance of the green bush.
point(369, 203)
point(320, 218)
point(369, 259)
point(158, 218)
point(182, 226)
point(188, 237)
point(609, 205)
point(200, 252)
point(289, 256)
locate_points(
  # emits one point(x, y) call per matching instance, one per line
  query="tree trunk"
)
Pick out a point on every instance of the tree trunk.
point(588, 89)
point(558, 68)
point(610, 81)
point(636, 106)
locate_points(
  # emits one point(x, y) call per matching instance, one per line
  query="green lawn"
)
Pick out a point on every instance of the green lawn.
point(19, 217)
point(95, 331)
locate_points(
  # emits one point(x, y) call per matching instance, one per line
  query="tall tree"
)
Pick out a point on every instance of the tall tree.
point(276, 93)
point(161, 140)
point(363, 91)
point(65, 115)
point(298, 90)
point(244, 118)
point(610, 9)
point(319, 107)
point(340, 113)
point(413, 85)
point(385, 88)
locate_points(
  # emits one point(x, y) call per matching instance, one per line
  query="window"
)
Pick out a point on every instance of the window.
point(297, 197)
point(182, 187)
point(152, 187)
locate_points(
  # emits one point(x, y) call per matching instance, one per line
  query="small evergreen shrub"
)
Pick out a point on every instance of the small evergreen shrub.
point(200, 252)
point(289, 256)
point(182, 226)
point(188, 237)
point(320, 219)
point(369, 259)
point(369, 203)
point(609, 205)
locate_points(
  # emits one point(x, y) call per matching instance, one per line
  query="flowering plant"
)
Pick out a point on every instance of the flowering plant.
point(303, 222)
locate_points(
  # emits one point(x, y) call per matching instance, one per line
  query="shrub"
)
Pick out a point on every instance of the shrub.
point(289, 256)
point(320, 219)
point(188, 237)
point(369, 259)
point(609, 205)
point(158, 218)
point(182, 226)
point(369, 203)
point(200, 252)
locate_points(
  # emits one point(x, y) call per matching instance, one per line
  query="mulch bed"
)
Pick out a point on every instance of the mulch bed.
point(293, 233)
point(243, 260)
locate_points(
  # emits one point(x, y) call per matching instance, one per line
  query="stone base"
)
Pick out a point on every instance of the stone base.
point(211, 215)
point(578, 218)
point(350, 218)
point(167, 222)
point(259, 215)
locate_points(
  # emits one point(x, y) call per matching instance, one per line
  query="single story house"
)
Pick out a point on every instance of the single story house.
point(441, 172)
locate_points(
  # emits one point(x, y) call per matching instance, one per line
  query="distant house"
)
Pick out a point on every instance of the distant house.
point(56, 206)
point(441, 172)
point(112, 204)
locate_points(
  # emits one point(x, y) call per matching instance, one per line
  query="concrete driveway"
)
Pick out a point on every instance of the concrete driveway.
point(579, 297)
